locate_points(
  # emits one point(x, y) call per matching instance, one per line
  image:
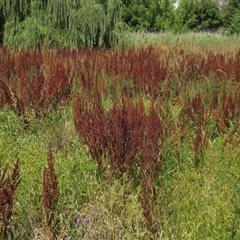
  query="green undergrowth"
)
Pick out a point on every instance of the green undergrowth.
point(192, 203)
point(207, 40)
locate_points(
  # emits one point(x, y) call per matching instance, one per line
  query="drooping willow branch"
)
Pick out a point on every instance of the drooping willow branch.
point(68, 23)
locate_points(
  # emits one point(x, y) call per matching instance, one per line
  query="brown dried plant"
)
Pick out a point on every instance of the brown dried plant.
point(230, 137)
point(6, 95)
point(198, 113)
point(230, 108)
point(50, 194)
point(142, 66)
point(8, 186)
point(221, 123)
point(35, 80)
point(90, 121)
point(150, 165)
point(128, 139)
point(235, 144)
point(200, 143)
point(125, 127)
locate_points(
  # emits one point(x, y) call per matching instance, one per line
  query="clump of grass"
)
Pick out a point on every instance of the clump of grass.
point(8, 186)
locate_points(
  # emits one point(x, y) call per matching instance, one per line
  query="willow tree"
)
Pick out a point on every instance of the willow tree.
point(71, 23)
point(2, 23)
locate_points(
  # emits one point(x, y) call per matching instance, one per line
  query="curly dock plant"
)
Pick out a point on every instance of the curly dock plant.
point(50, 193)
point(8, 185)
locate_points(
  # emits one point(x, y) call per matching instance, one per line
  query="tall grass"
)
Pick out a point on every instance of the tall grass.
point(191, 41)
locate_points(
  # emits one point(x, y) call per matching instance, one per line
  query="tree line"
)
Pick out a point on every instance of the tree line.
point(189, 15)
point(99, 23)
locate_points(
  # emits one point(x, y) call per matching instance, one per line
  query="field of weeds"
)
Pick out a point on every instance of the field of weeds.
point(137, 142)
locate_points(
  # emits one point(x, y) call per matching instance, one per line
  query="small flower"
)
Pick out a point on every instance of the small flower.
point(81, 219)
point(94, 213)
point(85, 219)
point(64, 215)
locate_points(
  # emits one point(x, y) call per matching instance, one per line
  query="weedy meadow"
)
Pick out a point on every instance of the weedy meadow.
point(136, 142)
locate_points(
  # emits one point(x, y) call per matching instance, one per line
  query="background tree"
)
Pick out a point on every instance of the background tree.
point(165, 16)
point(208, 16)
point(150, 15)
point(139, 14)
point(198, 15)
point(61, 23)
point(186, 15)
point(2, 24)
point(231, 19)
point(234, 27)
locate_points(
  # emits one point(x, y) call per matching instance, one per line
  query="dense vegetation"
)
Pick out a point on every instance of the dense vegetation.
point(80, 23)
point(193, 15)
point(111, 130)
point(130, 143)
point(28, 23)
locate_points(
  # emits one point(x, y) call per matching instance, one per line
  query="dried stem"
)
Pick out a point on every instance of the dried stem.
point(8, 186)
point(50, 193)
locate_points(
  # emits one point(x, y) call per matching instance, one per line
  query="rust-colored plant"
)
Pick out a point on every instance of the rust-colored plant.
point(143, 66)
point(230, 107)
point(200, 142)
point(221, 123)
point(125, 128)
point(50, 194)
point(230, 137)
point(35, 80)
point(91, 123)
point(199, 114)
point(151, 163)
point(8, 186)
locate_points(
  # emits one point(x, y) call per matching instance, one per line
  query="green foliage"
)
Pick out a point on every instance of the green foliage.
point(234, 28)
point(208, 16)
point(216, 41)
point(62, 23)
point(231, 17)
point(232, 8)
point(137, 15)
point(198, 15)
point(235, 201)
point(101, 23)
point(28, 33)
point(150, 15)
point(165, 19)
point(185, 15)
point(2, 23)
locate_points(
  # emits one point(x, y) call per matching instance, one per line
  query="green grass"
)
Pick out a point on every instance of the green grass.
point(112, 207)
point(211, 41)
